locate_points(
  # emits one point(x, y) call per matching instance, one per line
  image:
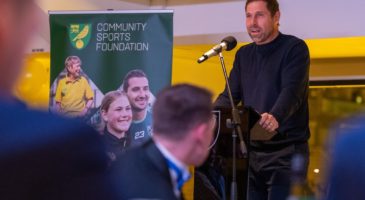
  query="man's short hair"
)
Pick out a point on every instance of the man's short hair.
point(180, 108)
point(271, 5)
point(132, 74)
point(72, 59)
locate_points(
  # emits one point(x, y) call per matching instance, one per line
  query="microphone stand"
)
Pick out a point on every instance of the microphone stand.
point(236, 124)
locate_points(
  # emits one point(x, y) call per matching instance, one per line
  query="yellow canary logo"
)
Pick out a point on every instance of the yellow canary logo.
point(80, 35)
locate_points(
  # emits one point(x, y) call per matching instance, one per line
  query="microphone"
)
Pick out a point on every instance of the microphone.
point(228, 43)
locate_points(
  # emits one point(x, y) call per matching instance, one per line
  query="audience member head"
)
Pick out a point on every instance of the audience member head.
point(183, 119)
point(17, 25)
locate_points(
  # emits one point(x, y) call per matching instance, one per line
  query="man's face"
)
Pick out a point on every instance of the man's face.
point(138, 93)
point(74, 69)
point(18, 24)
point(261, 26)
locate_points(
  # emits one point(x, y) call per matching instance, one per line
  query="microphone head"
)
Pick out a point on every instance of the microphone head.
point(231, 42)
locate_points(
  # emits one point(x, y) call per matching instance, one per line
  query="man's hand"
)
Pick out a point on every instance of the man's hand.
point(268, 122)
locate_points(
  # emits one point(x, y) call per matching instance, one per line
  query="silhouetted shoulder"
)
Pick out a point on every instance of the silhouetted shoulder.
point(44, 154)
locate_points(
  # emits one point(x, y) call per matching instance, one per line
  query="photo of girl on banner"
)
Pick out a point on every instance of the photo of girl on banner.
point(124, 117)
point(116, 115)
point(136, 87)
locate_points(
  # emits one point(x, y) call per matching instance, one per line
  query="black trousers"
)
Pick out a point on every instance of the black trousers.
point(270, 172)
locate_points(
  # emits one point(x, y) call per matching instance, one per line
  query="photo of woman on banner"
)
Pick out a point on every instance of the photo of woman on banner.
point(72, 92)
point(116, 114)
point(136, 86)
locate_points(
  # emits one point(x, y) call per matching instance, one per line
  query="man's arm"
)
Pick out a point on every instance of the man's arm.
point(58, 96)
point(88, 105)
point(58, 106)
point(295, 81)
point(89, 97)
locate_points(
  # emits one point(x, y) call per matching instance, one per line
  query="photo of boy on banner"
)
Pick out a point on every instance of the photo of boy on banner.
point(73, 94)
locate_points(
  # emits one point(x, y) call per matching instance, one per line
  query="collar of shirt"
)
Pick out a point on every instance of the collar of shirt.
point(69, 80)
point(141, 120)
point(111, 139)
point(176, 169)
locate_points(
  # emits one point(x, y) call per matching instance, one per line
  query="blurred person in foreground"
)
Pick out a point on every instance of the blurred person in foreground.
point(346, 178)
point(182, 132)
point(41, 156)
point(272, 76)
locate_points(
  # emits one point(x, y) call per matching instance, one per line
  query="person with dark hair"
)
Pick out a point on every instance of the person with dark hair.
point(272, 75)
point(116, 113)
point(42, 156)
point(74, 96)
point(136, 86)
point(182, 132)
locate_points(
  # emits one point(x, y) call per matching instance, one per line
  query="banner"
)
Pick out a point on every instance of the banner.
point(93, 52)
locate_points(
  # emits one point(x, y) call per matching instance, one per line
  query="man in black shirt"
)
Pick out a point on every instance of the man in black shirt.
point(271, 75)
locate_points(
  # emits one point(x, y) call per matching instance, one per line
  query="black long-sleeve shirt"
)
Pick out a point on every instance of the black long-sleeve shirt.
point(274, 78)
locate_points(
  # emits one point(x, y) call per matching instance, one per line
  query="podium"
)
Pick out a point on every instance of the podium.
point(212, 180)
